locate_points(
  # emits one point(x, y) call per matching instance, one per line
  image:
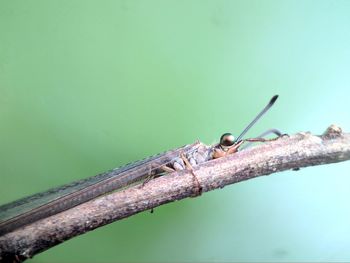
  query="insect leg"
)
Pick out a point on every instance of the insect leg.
point(198, 187)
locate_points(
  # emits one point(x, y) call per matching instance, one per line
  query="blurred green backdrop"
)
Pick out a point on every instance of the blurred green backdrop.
point(86, 86)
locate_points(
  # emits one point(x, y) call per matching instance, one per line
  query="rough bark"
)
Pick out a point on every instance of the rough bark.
point(290, 152)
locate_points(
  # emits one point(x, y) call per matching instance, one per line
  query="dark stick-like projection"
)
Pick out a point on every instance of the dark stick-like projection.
point(267, 107)
point(285, 153)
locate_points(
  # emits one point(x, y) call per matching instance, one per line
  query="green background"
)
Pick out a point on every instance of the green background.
point(86, 86)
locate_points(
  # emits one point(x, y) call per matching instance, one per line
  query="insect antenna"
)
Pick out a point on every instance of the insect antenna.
point(264, 110)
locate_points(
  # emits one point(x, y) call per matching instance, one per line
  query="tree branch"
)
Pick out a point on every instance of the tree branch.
point(293, 152)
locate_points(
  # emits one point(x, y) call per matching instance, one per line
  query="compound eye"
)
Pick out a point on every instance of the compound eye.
point(227, 139)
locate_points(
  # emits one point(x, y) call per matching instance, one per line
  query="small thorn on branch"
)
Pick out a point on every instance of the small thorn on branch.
point(333, 131)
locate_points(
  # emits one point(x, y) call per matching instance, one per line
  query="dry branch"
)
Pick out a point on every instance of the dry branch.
point(293, 152)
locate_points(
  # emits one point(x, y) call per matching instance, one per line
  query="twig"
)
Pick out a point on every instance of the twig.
point(293, 152)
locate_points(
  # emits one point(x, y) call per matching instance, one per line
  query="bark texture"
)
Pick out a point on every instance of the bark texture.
point(289, 152)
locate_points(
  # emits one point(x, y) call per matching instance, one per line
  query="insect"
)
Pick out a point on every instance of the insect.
point(41, 205)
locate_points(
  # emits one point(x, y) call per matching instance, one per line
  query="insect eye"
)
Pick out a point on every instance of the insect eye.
point(227, 139)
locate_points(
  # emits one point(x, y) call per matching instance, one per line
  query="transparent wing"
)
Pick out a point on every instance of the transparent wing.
point(41, 205)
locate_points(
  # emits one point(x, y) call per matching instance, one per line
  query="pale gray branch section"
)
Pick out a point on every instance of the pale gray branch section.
point(299, 150)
